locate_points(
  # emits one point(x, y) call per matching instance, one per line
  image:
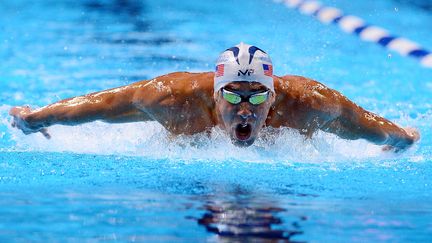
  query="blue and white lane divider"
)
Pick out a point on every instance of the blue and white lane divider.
point(355, 25)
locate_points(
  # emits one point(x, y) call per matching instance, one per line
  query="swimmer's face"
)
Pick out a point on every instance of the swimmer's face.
point(244, 120)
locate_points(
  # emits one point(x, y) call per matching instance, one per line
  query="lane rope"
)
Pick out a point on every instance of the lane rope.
point(354, 25)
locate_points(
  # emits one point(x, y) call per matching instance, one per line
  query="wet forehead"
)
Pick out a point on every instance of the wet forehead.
point(245, 86)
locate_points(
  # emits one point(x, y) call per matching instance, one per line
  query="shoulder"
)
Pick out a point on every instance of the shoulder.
point(299, 85)
point(185, 76)
point(292, 82)
point(176, 87)
point(307, 92)
point(179, 81)
point(186, 81)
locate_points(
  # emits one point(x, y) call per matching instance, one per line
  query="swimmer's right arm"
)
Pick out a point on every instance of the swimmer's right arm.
point(113, 106)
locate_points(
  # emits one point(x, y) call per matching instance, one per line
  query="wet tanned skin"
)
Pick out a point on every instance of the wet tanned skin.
point(184, 103)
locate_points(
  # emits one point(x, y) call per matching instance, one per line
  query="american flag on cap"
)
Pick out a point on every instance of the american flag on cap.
point(268, 70)
point(219, 70)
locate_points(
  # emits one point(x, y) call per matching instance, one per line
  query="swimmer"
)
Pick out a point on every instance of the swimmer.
point(242, 96)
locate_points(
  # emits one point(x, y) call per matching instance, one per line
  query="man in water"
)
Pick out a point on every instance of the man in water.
point(241, 97)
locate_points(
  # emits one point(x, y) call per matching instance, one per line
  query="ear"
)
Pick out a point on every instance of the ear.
point(216, 96)
point(272, 97)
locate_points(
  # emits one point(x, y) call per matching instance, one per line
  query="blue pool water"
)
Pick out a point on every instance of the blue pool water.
point(133, 182)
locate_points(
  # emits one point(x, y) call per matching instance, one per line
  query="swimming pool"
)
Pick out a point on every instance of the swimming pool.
point(133, 182)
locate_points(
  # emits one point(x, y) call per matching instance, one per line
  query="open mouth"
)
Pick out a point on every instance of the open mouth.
point(243, 131)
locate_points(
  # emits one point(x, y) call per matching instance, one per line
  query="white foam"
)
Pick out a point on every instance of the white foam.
point(151, 140)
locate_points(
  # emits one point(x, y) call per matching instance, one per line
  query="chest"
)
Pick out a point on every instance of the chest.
point(184, 118)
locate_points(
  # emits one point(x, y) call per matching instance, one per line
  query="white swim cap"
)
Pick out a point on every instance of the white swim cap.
point(243, 62)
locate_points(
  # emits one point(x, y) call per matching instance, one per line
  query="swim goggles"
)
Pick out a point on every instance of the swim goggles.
point(254, 99)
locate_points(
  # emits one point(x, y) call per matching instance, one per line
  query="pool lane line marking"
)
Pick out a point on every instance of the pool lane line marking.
point(354, 25)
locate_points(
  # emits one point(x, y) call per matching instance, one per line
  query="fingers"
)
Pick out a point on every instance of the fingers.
point(44, 132)
point(389, 148)
point(415, 134)
point(412, 133)
point(13, 111)
point(19, 113)
point(17, 110)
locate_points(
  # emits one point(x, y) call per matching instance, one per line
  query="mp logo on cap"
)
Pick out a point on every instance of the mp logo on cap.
point(247, 72)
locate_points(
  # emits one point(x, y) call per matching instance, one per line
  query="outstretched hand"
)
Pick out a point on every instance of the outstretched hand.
point(413, 133)
point(20, 120)
point(413, 136)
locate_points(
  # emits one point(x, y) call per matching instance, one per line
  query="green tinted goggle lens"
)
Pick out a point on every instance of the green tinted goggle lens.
point(231, 97)
point(258, 98)
point(234, 98)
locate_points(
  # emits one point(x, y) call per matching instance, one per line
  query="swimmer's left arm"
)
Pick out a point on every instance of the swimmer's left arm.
point(354, 122)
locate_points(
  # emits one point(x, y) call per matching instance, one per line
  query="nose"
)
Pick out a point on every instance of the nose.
point(245, 116)
point(244, 112)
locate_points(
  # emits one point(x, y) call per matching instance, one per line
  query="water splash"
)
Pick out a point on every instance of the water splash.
point(151, 140)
